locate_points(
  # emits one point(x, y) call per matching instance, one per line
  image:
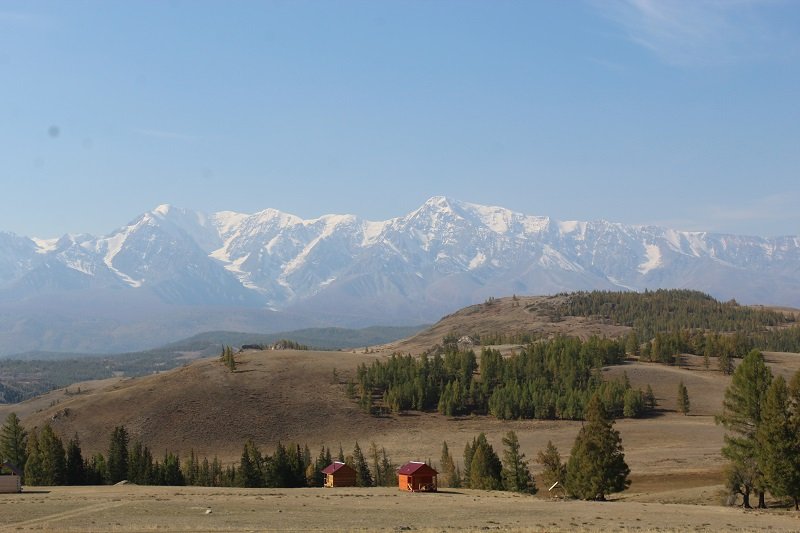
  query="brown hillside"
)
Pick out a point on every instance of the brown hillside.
point(291, 396)
point(509, 316)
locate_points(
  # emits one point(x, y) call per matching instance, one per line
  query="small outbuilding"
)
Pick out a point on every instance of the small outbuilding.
point(416, 476)
point(10, 478)
point(339, 474)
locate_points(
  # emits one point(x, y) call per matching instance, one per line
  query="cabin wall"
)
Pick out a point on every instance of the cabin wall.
point(9, 484)
point(340, 480)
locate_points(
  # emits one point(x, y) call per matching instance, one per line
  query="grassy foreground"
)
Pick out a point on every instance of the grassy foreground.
point(137, 508)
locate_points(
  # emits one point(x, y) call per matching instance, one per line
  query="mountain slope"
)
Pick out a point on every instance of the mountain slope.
point(344, 271)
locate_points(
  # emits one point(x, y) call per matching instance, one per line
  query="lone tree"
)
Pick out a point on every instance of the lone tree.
point(597, 465)
point(683, 399)
point(517, 476)
point(741, 415)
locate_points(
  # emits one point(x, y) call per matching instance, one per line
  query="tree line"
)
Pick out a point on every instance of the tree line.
point(686, 320)
point(44, 460)
point(551, 379)
point(595, 469)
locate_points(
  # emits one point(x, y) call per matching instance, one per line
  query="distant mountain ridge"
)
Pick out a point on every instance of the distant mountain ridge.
point(272, 270)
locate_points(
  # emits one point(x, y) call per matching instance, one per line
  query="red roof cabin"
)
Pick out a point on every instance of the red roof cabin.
point(417, 477)
point(339, 474)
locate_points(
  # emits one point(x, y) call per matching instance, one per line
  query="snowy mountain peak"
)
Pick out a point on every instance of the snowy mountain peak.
point(412, 268)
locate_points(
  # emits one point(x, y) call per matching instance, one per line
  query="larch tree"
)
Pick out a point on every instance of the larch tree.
point(448, 466)
point(683, 399)
point(34, 473)
point(117, 462)
point(13, 442)
point(777, 443)
point(482, 466)
point(597, 466)
point(360, 465)
point(741, 416)
point(553, 469)
point(53, 457)
point(516, 475)
point(75, 469)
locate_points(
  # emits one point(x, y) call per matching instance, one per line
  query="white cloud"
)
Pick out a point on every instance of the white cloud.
point(705, 32)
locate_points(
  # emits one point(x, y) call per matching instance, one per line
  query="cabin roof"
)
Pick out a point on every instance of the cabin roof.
point(335, 467)
point(12, 467)
point(416, 467)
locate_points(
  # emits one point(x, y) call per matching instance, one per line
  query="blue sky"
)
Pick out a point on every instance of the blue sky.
point(682, 113)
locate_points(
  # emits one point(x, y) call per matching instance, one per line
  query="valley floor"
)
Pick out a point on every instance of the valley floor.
point(136, 508)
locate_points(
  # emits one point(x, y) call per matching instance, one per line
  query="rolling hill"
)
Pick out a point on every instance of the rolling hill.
point(300, 396)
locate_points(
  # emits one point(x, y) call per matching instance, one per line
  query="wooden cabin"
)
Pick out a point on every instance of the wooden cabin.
point(10, 478)
point(339, 474)
point(417, 477)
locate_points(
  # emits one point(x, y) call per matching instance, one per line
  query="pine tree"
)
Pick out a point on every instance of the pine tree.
point(596, 466)
point(34, 473)
point(632, 344)
point(204, 473)
point(318, 478)
point(13, 442)
point(118, 455)
point(340, 457)
point(75, 469)
point(363, 475)
point(96, 470)
point(172, 475)
point(53, 457)
point(741, 415)
point(516, 475)
point(683, 399)
point(375, 457)
point(140, 465)
point(553, 469)
point(279, 470)
point(388, 470)
point(777, 443)
point(725, 362)
point(448, 466)
point(485, 468)
point(650, 398)
point(228, 358)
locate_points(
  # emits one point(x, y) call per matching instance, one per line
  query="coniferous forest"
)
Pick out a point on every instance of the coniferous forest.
point(551, 379)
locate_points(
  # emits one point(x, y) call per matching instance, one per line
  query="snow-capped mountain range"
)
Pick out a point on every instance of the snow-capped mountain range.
point(343, 270)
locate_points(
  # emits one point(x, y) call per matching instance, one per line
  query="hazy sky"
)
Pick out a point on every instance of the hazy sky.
point(683, 113)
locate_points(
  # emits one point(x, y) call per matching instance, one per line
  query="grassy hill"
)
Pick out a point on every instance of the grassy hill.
point(301, 396)
point(26, 375)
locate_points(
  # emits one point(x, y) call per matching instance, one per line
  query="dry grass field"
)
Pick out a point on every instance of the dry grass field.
point(133, 508)
point(292, 396)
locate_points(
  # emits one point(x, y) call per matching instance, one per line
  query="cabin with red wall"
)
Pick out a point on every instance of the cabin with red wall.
point(338, 474)
point(416, 476)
